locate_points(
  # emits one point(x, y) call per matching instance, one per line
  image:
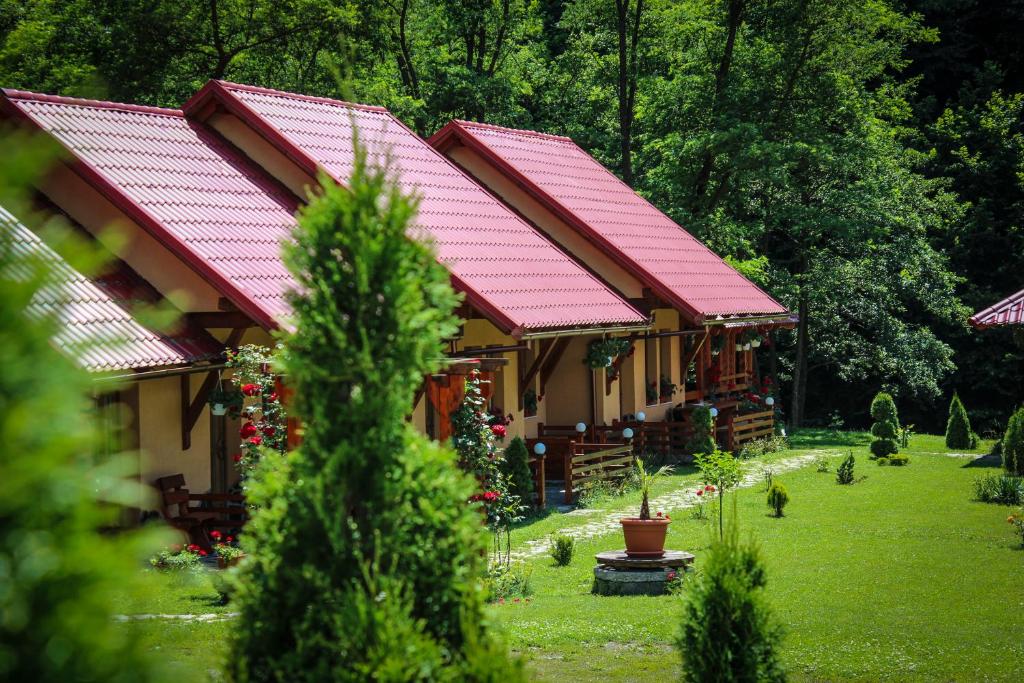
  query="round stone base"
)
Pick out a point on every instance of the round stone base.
point(609, 581)
point(618, 574)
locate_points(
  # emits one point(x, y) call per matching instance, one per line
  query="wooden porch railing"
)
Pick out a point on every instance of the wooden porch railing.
point(747, 427)
point(595, 461)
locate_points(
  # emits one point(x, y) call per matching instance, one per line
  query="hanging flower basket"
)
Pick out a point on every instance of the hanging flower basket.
point(601, 353)
point(223, 401)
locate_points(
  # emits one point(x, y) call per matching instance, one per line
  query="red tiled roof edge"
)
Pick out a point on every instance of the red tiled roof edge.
point(1009, 311)
point(220, 91)
point(137, 213)
point(457, 128)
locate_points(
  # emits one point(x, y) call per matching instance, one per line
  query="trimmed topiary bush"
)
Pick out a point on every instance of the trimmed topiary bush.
point(886, 429)
point(958, 427)
point(729, 633)
point(777, 498)
point(516, 467)
point(366, 560)
point(1012, 444)
point(562, 549)
point(702, 440)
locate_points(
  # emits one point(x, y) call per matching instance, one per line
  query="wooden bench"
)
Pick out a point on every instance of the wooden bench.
point(197, 521)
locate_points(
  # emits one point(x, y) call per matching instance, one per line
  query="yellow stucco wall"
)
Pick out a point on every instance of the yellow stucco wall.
point(159, 421)
point(263, 153)
point(125, 239)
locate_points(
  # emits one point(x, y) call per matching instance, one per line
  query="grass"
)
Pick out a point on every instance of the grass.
point(900, 576)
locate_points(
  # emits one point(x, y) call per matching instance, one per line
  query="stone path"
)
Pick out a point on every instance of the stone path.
point(208, 617)
point(679, 499)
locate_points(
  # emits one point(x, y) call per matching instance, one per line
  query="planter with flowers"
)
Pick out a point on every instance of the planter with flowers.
point(225, 401)
point(178, 558)
point(645, 535)
point(228, 552)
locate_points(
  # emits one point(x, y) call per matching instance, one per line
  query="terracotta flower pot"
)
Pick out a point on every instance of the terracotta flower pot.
point(645, 537)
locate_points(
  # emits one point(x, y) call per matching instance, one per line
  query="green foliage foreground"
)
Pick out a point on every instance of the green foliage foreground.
point(365, 556)
point(57, 572)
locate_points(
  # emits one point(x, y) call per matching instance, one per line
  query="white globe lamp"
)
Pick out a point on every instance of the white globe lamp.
point(714, 412)
point(581, 427)
point(627, 433)
point(641, 416)
point(539, 448)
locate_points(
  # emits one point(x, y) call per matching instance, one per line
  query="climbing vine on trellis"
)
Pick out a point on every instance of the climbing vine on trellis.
point(265, 422)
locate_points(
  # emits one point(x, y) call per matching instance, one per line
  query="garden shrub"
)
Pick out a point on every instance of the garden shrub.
point(1012, 444)
point(844, 473)
point(729, 633)
point(764, 446)
point(958, 427)
point(886, 428)
point(1004, 489)
point(822, 463)
point(366, 560)
point(702, 440)
point(562, 549)
point(178, 558)
point(898, 459)
point(509, 581)
point(516, 467)
point(777, 498)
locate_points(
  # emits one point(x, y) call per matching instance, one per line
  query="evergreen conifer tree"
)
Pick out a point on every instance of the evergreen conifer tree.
point(365, 558)
point(517, 470)
point(958, 428)
point(728, 631)
point(702, 439)
point(1013, 444)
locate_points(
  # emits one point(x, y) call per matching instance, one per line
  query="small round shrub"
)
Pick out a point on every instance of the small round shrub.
point(562, 549)
point(516, 467)
point(898, 460)
point(702, 439)
point(882, 448)
point(777, 498)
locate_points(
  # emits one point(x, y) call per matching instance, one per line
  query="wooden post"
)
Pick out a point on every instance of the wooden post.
point(567, 471)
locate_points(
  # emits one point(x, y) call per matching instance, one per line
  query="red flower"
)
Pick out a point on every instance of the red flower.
point(671, 576)
point(709, 487)
point(202, 553)
point(237, 457)
point(255, 441)
point(658, 513)
point(247, 430)
point(667, 517)
point(498, 431)
point(251, 389)
point(490, 496)
point(229, 539)
point(268, 431)
point(215, 534)
point(193, 547)
point(272, 397)
point(700, 492)
point(516, 600)
point(476, 497)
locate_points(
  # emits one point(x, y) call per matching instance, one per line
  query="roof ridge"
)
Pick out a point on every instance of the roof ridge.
point(28, 95)
point(298, 96)
point(516, 131)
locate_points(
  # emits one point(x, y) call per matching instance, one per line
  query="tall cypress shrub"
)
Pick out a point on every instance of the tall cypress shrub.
point(58, 574)
point(728, 632)
point(886, 427)
point(958, 427)
point(1013, 444)
point(702, 438)
point(516, 466)
point(366, 557)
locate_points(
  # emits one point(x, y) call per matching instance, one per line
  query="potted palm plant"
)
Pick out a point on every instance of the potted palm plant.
point(645, 536)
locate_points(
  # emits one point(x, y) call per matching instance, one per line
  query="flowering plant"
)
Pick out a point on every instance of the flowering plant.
point(1017, 521)
point(705, 497)
point(475, 440)
point(177, 558)
point(601, 353)
point(226, 549)
point(265, 423)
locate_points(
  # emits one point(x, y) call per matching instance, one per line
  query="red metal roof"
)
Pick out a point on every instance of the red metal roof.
point(97, 327)
point(678, 268)
point(508, 269)
point(1009, 311)
point(202, 199)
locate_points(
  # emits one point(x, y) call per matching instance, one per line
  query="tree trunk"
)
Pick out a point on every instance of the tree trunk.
point(625, 111)
point(733, 21)
point(799, 398)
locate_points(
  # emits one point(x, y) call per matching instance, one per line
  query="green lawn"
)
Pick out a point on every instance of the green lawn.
point(898, 577)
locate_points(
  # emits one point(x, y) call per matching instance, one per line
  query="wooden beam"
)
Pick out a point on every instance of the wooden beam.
point(191, 409)
point(215, 319)
point(616, 364)
point(688, 356)
point(526, 379)
point(557, 349)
